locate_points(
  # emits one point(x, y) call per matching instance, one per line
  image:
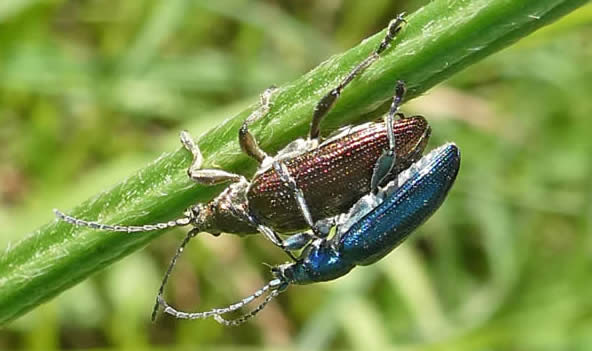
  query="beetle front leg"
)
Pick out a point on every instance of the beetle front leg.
point(247, 141)
point(204, 176)
point(326, 103)
point(272, 236)
point(267, 232)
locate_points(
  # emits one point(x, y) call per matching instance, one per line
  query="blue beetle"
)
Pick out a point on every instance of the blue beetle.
point(306, 182)
point(371, 229)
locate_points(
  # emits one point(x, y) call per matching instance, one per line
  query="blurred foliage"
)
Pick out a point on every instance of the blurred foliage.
point(92, 90)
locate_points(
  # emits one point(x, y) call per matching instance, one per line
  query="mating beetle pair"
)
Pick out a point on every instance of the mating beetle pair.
point(372, 228)
point(349, 180)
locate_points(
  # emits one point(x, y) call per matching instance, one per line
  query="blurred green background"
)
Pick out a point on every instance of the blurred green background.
point(92, 90)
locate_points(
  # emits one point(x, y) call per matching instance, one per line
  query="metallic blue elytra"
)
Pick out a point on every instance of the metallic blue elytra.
point(372, 228)
point(404, 208)
point(379, 223)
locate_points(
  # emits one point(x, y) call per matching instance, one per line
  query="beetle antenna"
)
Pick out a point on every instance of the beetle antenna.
point(179, 222)
point(276, 285)
point(240, 320)
point(192, 233)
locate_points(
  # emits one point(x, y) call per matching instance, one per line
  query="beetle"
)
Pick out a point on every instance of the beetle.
point(372, 228)
point(307, 181)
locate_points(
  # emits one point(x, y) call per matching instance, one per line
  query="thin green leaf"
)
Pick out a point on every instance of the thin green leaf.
point(441, 39)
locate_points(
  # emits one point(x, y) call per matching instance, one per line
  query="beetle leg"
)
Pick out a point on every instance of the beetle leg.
point(386, 161)
point(326, 103)
point(298, 241)
point(204, 176)
point(247, 141)
point(272, 236)
point(267, 232)
point(324, 226)
point(287, 178)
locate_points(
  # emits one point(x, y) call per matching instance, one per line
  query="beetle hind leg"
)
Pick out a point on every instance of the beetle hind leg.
point(386, 162)
point(326, 103)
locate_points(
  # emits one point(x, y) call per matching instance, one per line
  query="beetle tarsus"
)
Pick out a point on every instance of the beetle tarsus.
point(327, 102)
point(204, 176)
point(247, 141)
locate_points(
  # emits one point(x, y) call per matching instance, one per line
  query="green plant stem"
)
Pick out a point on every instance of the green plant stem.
point(440, 39)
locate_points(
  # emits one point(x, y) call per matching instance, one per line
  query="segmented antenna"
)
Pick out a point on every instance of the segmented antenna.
point(192, 233)
point(275, 284)
point(240, 320)
point(179, 222)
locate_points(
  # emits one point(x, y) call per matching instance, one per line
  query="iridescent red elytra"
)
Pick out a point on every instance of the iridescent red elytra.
point(335, 175)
